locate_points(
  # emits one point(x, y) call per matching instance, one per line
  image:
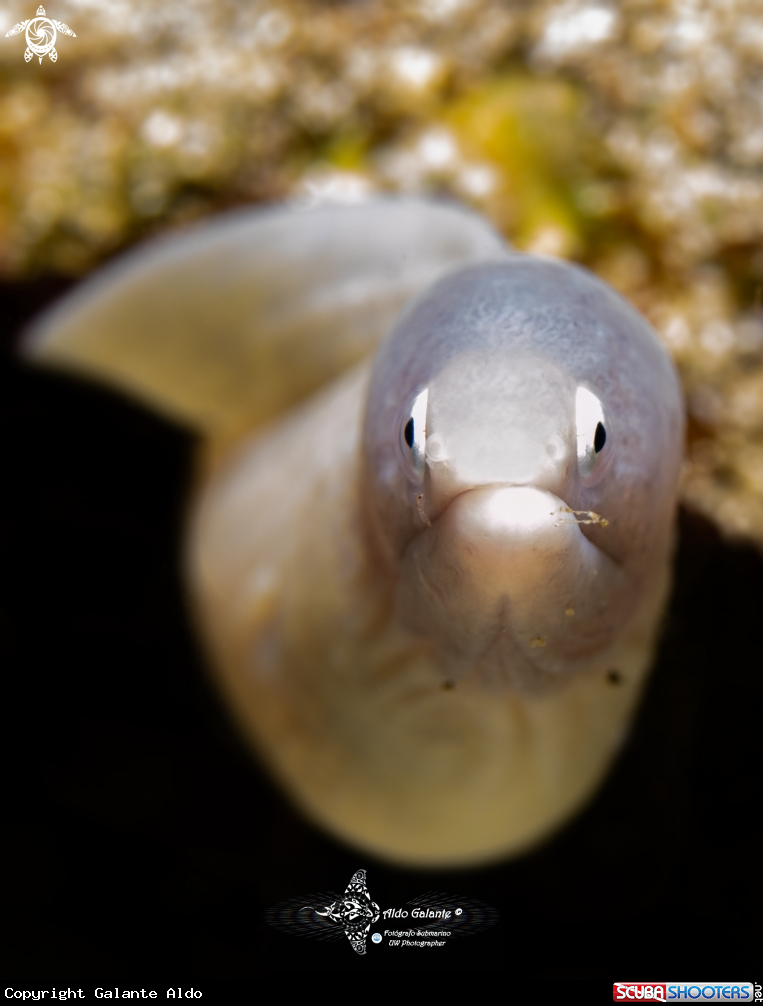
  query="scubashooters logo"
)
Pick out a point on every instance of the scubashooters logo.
point(431, 920)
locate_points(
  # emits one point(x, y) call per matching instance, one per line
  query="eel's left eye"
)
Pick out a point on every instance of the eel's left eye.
point(592, 434)
point(413, 434)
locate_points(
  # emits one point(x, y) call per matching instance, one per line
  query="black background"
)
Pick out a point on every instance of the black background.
point(145, 844)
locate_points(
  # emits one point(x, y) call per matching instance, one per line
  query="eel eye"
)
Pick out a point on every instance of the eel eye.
point(593, 436)
point(413, 434)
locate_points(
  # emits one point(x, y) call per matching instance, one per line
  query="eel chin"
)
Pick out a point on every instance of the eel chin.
point(505, 581)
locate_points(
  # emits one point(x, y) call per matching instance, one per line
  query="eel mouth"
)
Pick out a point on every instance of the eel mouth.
point(505, 578)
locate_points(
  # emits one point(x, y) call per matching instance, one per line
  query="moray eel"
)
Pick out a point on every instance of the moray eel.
point(428, 557)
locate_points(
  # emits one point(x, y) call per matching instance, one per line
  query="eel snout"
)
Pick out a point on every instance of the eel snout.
point(505, 578)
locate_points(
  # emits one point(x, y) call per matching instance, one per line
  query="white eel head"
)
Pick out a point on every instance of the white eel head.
point(523, 441)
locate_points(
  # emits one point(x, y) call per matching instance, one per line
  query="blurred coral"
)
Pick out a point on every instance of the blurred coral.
point(628, 136)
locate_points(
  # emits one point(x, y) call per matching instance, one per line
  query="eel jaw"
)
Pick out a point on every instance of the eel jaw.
point(504, 578)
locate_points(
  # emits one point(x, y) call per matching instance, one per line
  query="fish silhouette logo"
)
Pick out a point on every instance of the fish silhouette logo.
point(41, 33)
point(354, 912)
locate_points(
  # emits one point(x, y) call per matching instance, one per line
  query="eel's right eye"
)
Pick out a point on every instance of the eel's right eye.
point(593, 436)
point(413, 434)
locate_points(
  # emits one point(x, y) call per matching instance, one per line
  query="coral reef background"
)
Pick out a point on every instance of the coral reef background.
point(627, 136)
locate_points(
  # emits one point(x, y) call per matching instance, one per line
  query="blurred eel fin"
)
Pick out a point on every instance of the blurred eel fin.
point(224, 325)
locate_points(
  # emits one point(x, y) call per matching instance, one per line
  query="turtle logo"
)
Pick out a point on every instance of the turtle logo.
point(354, 912)
point(41, 34)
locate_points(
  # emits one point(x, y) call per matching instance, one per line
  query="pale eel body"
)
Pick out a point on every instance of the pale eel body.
point(431, 591)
